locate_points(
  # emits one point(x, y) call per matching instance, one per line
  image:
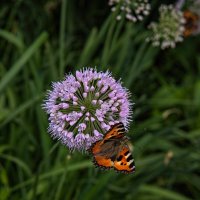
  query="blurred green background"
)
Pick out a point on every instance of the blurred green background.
point(41, 41)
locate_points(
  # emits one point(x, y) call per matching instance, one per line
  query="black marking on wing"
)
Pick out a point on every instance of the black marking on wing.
point(115, 134)
point(129, 158)
point(131, 165)
point(119, 158)
point(120, 127)
point(126, 153)
point(113, 157)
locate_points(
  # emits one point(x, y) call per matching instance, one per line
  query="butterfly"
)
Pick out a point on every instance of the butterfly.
point(113, 152)
point(191, 23)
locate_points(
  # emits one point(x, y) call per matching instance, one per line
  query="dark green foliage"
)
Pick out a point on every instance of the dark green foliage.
point(40, 41)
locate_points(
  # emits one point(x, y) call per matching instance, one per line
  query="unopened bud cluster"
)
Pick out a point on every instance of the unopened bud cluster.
point(133, 10)
point(169, 28)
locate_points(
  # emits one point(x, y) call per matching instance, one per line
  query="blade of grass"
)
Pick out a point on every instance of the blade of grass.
point(18, 162)
point(9, 76)
point(60, 186)
point(107, 45)
point(89, 48)
point(164, 193)
point(20, 109)
point(97, 188)
point(62, 36)
point(56, 172)
point(11, 38)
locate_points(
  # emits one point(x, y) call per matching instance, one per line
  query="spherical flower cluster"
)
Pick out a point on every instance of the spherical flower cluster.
point(83, 107)
point(133, 10)
point(169, 29)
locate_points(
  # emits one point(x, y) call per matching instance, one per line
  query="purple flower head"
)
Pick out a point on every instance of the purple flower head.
point(83, 107)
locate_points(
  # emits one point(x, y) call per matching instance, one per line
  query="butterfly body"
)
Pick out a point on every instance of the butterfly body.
point(113, 152)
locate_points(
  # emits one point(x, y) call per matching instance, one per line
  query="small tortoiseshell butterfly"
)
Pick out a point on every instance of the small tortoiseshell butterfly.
point(113, 152)
point(191, 22)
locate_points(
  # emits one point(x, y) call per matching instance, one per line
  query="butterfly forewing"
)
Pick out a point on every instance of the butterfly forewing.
point(108, 148)
point(116, 131)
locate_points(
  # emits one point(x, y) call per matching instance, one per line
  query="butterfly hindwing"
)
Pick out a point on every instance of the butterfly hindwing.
point(113, 152)
point(104, 153)
point(103, 162)
point(124, 161)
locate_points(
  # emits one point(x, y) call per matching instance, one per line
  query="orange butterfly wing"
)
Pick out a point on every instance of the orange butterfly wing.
point(116, 131)
point(112, 151)
point(191, 22)
point(124, 162)
point(99, 158)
